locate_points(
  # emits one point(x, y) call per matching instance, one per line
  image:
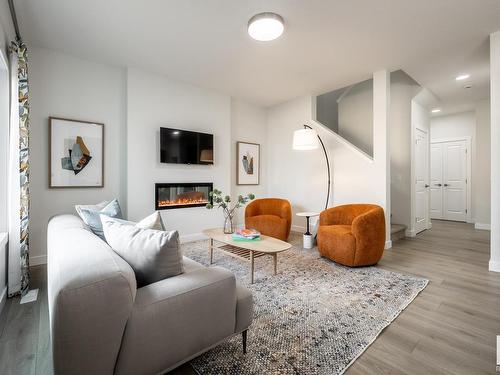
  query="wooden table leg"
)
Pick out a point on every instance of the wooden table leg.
point(275, 256)
point(211, 250)
point(251, 266)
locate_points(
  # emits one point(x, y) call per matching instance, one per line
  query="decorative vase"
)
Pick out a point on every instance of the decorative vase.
point(228, 223)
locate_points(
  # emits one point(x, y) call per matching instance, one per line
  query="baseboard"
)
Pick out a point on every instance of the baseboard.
point(3, 298)
point(192, 237)
point(494, 266)
point(410, 233)
point(38, 260)
point(298, 228)
point(388, 244)
point(482, 226)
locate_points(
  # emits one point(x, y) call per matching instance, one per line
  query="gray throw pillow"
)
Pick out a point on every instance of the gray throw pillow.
point(154, 255)
point(93, 217)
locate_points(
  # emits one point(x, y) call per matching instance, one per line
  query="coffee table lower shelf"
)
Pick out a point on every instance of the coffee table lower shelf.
point(240, 253)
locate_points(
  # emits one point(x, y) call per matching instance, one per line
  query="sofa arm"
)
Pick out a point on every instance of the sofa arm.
point(177, 318)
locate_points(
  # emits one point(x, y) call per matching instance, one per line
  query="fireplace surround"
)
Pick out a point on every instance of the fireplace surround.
point(182, 195)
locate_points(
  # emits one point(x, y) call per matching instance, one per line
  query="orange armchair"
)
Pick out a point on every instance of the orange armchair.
point(270, 216)
point(353, 234)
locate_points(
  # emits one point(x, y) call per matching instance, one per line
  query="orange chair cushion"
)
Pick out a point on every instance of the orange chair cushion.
point(269, 225)
point(337, 242)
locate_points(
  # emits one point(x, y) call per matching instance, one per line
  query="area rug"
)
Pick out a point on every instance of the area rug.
point(314, 317)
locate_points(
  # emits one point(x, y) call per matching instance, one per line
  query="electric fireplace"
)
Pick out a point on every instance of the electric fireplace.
point(182, 195)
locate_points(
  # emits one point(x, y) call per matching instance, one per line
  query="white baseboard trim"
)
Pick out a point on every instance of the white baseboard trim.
point(482, 226)
point(298, 228)
point(494, 266)
point(38, 260)
point(192, 237)
point(388, 244)
point(3, 298)
point(410, 233)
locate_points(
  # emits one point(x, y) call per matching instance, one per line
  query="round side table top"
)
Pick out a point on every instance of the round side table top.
point(307, 214)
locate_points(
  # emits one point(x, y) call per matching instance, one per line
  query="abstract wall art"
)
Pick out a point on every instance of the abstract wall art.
point(247, 163)
point(76, 153)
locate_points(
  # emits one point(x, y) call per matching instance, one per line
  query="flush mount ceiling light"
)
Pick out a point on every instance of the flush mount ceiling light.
point(436, 110)
point(462, 77)
point(266, 26)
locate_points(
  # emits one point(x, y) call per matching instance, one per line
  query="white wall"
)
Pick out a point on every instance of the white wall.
point(65, 86)
point(356, 177)
point(455, 125)
point(248, 124)
point(494, 264)
point(403, 89)
point(481, 199)
point(6, 35)
point(154, 101)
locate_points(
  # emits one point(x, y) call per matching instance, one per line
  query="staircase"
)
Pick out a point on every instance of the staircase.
point(397, 232)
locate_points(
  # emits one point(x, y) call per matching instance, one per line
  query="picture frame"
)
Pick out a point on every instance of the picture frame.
point(76, 153)
point(247, 163)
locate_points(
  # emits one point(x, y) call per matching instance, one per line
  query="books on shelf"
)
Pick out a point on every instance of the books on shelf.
point(246, 235)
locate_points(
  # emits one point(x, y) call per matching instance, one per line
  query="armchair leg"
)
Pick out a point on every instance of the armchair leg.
point(244, 335)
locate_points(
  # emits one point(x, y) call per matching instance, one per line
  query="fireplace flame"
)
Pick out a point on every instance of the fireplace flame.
point(181, 201)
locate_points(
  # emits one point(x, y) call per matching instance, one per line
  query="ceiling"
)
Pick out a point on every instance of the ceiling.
point(326, 44)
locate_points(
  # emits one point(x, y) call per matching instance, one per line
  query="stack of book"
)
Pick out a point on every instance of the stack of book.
point(246, 235)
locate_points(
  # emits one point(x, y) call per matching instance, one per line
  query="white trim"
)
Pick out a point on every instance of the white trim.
point(410, 233)
point(3, 298)
point(298, 229)
point(192, 237)
point(494, 266)
point(482, 226)
point(469, 184)
point(388, 244)
point(38, 260)
point(4, 237)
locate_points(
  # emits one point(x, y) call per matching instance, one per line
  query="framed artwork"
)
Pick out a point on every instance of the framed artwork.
point(247, 163)
point(76, 153)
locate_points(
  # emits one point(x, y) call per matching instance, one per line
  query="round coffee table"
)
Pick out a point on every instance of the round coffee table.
point(308, 240)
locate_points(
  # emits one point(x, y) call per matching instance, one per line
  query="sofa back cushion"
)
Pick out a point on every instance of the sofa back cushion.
point(91, 291)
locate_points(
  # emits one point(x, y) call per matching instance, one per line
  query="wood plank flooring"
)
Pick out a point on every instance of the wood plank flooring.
point(450, 328)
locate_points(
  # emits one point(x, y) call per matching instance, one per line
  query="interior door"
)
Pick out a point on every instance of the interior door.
point(421, 180)
point(455, 180)
point(436, 188)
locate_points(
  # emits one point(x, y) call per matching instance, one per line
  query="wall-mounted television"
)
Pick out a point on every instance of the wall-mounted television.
point(185, 147)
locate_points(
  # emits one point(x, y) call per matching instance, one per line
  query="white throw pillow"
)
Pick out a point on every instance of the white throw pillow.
point(152, 221)
point(154, 255)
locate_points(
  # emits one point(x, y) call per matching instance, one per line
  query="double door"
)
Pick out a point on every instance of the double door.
point(448, 185)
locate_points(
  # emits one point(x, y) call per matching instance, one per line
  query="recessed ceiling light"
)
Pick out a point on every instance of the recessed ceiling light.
point(436, 110)
point(462, 77)
point(266, 26)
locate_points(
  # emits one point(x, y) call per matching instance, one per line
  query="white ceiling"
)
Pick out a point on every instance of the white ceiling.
point(326, 44)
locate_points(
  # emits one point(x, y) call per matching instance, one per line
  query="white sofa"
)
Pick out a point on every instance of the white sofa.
point(100, 323)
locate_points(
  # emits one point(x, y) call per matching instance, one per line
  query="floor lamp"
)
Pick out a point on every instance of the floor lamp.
point(307, 139)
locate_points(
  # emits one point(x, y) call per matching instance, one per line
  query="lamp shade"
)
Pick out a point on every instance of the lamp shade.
point(305, 139)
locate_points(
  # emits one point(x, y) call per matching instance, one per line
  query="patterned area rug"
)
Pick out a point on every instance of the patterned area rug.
point(314, 317)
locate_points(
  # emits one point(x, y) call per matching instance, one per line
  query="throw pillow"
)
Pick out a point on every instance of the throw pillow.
point(153, 221)
point(94, 207)
point(154, 255)
point(93, 217)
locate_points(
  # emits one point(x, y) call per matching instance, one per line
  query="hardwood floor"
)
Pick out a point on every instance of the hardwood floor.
point(450, 328)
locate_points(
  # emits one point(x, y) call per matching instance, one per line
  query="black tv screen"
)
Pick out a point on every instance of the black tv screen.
point(185, 147)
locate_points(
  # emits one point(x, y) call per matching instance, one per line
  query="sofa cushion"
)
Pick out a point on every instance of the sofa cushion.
point(152, 221)
point(153, 254)
point(94, 207)
point(93, 217)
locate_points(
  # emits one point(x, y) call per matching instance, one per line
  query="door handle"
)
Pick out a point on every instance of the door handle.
point(426, 185)
point(438, 185)
point(446, 185)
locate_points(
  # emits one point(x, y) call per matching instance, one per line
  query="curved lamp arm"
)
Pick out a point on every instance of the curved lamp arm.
point(327, 165)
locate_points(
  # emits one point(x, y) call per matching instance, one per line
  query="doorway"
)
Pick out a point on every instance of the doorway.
point(450, 179)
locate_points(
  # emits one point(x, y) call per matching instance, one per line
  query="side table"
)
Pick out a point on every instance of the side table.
point(308, 239)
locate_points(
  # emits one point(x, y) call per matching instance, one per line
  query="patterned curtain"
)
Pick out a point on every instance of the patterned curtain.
point(18, 280)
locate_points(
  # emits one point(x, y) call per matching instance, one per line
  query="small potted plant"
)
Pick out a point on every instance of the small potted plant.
point(218, 201)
